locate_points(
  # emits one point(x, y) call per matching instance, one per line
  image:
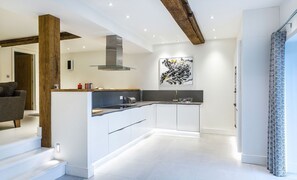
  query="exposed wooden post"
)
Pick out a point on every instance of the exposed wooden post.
point(49, 70)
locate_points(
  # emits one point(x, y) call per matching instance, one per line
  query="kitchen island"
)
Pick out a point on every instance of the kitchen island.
point(84, 136)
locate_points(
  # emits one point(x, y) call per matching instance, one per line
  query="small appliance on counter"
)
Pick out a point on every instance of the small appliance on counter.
point(129, 100)
point(88, 85)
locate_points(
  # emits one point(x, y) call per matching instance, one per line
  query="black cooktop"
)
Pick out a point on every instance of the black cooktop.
point(119, 106)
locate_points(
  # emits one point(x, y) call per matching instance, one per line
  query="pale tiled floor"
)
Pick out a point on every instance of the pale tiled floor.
point(28, 129)
point(210, 157)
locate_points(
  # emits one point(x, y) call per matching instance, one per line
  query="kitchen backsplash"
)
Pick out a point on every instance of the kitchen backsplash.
point(109, 98)
point(169, 95)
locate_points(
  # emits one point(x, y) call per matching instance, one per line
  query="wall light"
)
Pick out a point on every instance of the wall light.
point(57, 147)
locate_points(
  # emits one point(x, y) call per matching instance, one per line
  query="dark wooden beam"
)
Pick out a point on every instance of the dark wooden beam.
point(49, 71)
point(33, 39)
point(67, 35)
point(181, 12)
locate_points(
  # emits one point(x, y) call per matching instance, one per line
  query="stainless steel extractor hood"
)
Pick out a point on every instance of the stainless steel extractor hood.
point(114, 55)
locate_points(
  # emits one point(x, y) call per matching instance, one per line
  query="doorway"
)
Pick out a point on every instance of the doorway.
point(24, 76)
point(291, 103)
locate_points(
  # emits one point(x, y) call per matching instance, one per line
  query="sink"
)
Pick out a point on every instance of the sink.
point(184, 101)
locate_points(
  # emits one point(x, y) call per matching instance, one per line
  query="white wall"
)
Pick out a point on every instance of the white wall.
point(286, 9)
point(291, 104)
point(213, 73)
point(83, 73)
point(5, 64)
point(258, 25)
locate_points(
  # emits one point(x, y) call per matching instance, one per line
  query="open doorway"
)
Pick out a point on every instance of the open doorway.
point(291, 103)
point(24, 76)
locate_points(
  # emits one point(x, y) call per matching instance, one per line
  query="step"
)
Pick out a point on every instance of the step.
point(19, 146)
point(19, 164)
point(48, 171)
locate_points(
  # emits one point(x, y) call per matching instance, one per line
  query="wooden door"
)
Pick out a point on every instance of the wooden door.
point(23, 73)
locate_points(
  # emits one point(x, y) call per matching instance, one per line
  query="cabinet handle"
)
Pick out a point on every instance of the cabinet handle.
point(126, 126)
point(118, 130)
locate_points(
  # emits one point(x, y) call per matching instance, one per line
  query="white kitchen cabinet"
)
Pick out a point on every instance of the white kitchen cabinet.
point(136, 114)
point(119, 138)
point(118, 120)
point(150, 116)
point(166, 116)
point(99, 137)
point(188, 118)
point(145, 122)
point(138, 129)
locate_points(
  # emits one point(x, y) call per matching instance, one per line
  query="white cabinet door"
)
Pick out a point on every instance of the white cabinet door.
point(188, 118)
point(98, 137)
point(150, 116)
point(166, 116)
point(119, 138)
point(118, 120)
point(138, 129)
point(136, 114)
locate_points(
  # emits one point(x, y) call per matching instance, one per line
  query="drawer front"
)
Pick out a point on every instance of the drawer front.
point(119, 139)
point(118, 120)
point(139, 129)
point(137, 114)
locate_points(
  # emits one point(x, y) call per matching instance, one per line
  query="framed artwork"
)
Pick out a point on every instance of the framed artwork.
point(176, 71)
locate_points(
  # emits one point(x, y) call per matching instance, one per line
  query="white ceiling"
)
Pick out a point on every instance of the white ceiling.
point(93, 19)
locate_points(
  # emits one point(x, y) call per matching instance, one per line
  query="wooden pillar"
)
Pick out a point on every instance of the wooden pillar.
point(49, 70)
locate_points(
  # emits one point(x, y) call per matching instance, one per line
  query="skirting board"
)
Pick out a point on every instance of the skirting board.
point(292, 168)
point(218, 131)
point(79, 171)
point(254, 159)
point(176, 133)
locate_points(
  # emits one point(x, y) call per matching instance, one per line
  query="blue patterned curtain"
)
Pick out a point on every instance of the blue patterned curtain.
point(276, 121)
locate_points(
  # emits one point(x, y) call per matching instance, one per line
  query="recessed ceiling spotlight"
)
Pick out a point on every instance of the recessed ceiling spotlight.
point(84, 47)
point(211, 17)
point(215, 37)
point(213, 29)
point(154, 36)
point(145, 30)
point(68, 49)
point(110, 4)
point(127, 17)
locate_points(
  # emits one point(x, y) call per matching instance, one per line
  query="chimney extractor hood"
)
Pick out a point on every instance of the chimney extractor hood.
point(114, 55)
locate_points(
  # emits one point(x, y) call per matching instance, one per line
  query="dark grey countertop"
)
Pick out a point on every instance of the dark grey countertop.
point(102, 111)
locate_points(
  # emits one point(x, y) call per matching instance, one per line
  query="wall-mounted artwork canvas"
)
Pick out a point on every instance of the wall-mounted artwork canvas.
point(176, 71)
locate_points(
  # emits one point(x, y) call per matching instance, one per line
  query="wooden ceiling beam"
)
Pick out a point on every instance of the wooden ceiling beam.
point(33, 39)
point(183, 15)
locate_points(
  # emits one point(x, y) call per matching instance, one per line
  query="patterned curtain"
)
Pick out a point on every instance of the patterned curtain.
point(276, 120)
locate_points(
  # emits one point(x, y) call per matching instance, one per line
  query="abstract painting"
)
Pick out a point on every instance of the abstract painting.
point(176, 71)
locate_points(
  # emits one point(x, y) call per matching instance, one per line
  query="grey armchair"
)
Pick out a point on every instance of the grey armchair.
point(12, 107)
